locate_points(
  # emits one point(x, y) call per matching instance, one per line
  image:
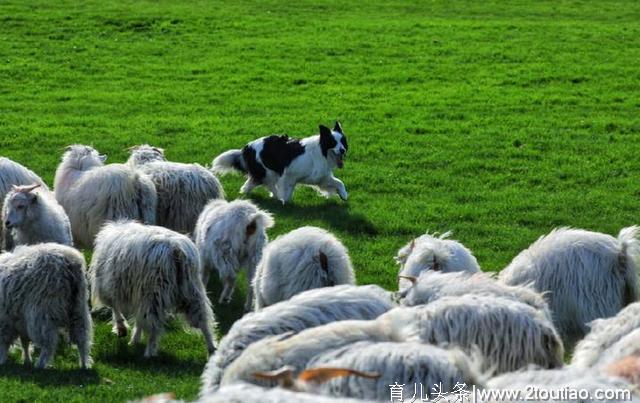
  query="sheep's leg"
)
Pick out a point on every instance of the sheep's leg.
point(137, 334)
point(83, 351)
point(208, 338)
point(48, 349)
point(119, 323)
point(229, 285)
point(152, 343)
point(248, 186)
point(248, 305)
point(26, 354)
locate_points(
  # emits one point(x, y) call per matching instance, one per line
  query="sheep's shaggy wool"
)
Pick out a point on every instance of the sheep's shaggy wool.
point(31, 215)
point(303, 259)
point(416, 366)
point(43, 289)
point(436, 253)
point(305, 310)
point(183, 189)
point(432, 285)
point(508, 334)
point(584, 275)
point(551, 383)
point(145, 273)
point(14, 174)
point(230, 236)
point(93, 193)
point(247, 393)
point(604, 334)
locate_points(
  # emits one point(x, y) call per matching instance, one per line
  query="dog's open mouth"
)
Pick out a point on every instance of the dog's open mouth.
point(340, 160)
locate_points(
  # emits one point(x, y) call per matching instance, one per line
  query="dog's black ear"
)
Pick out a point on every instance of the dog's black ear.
point(327, 141)
point(337, 127)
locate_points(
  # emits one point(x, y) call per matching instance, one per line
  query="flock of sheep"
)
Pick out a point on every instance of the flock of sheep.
point(160, 229)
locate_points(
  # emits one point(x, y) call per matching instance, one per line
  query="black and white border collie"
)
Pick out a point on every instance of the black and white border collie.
point(280, 163)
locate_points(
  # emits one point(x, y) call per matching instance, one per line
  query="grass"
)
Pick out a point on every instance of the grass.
point(497, 120)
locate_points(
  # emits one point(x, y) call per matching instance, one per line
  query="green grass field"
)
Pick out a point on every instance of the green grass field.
point(496, 120)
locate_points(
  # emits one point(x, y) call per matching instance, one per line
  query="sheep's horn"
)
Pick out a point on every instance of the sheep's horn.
point(413, 279)
point(284, 374)
point(321, 375)
point(26, 189)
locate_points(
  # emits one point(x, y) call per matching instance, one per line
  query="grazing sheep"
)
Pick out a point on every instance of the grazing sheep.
point(584, 275)
point(508, 334)
point(14, 174)
point(432, 285)
point(231, 236)
point(183, 189)
point(557, 384)
point(303, 259)
point(604, 334)
point(42, 289)
point(429, 252)
point(31, 216)
point(93, 193)
point(306, 310)
point(409, 364)
point(145, 272)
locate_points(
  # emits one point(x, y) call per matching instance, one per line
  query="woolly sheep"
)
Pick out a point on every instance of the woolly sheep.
point(437, 253)
point(44, 289)
point(93, 193)
point(432, 285)
point(508, 334)
point(31, 216)
point(303, 259)
point(183, 189)
point(409, 364)
point(144, 272)
point(604, 334)
point(231, 236)
point(554, 382)
point(584, 275)
point(14, 174)
point(305, 310)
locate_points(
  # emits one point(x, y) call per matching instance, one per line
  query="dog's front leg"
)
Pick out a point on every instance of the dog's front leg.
point(342, 191)
point(284, 190)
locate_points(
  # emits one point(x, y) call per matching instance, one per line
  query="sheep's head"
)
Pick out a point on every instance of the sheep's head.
point(83, 157)
point(145, 153)
point(19, 205)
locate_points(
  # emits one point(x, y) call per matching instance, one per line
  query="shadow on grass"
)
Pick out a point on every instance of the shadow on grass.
point(335, 213)
point(50, 377)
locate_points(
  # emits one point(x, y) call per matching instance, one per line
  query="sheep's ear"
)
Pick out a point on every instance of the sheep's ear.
point(251, 228)
point(413, 279)
point(436, 265)
point(283, 375)
point(321, 375)
point(337, 127)
point(324, 261)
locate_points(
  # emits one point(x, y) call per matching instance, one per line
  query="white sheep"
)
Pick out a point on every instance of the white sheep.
point(43, 289)
point(584, 275)
point(604, 334)
point(31, 215)
point(14, 174)
point(183, 189)
point(230, 236)
point(303, 259)
point(93, 193)
point(432, 285)
point(145, 272)
point(437, 253)
point(306, 310)
point(508, 334)
point(416, 366)
point(248, 393)
point(559, 385)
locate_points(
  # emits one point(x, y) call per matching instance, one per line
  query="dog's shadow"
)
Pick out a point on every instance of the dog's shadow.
point(332, 211)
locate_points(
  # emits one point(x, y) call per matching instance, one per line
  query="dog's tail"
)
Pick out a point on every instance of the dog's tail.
point(229, 161)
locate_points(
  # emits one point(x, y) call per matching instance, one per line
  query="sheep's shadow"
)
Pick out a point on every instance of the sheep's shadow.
point(51, 376)
point(332, 211)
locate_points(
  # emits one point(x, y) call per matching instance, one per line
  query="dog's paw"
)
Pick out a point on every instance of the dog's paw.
point(344, 196)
